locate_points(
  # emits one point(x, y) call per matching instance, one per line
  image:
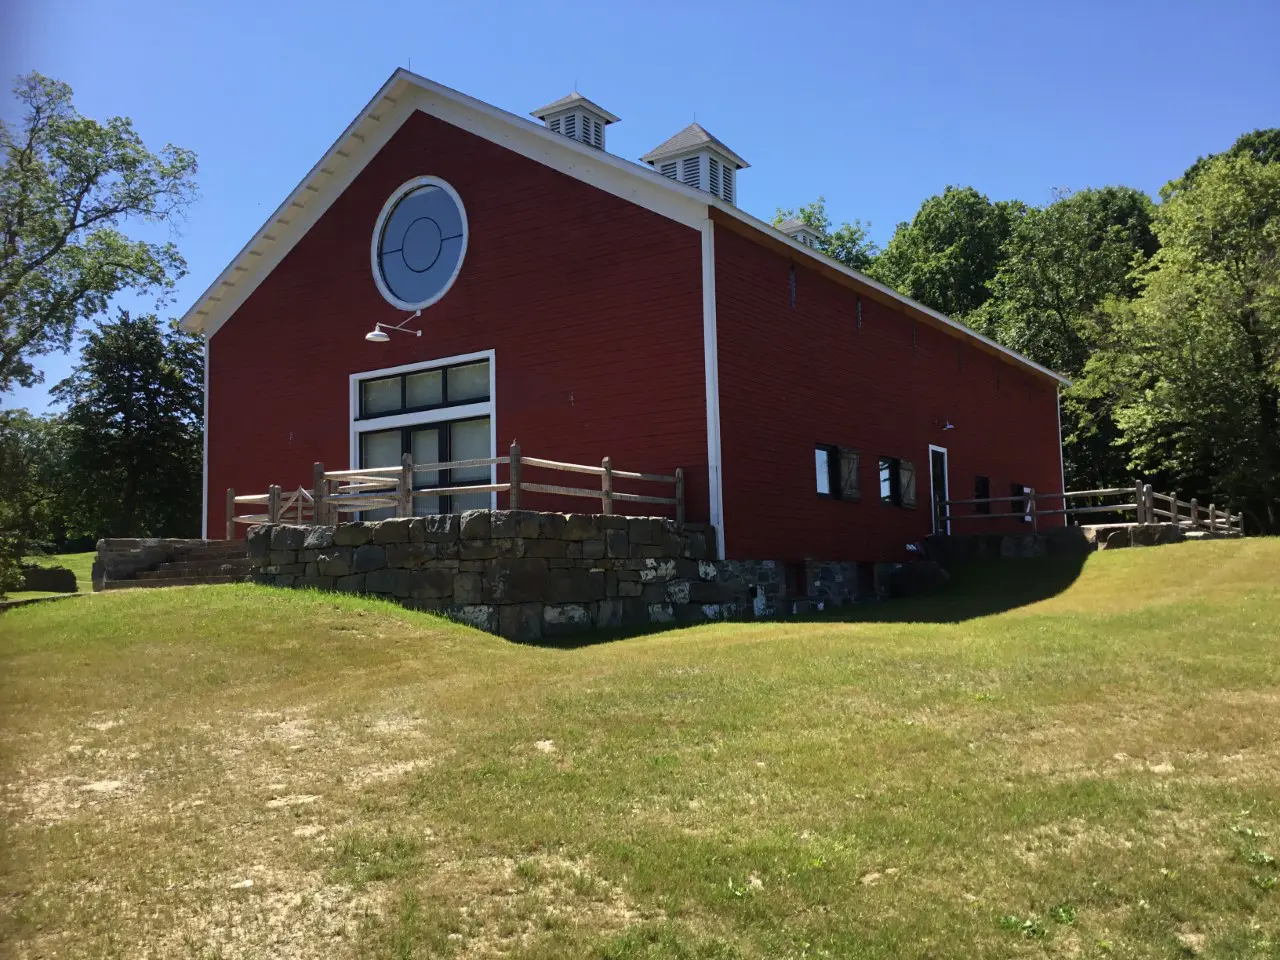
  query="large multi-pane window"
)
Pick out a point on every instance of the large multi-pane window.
point(437, 439)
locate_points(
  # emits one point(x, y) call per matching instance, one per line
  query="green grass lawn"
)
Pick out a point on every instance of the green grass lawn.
point(81, 564)
point(236, 772)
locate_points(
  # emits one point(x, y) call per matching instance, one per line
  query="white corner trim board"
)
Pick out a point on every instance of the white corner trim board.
point(711, 371)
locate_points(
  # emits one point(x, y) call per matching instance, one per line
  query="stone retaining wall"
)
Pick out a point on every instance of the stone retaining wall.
point(520, 574)
point(528, 576)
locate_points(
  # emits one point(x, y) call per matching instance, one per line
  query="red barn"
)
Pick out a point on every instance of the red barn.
point(547, 290)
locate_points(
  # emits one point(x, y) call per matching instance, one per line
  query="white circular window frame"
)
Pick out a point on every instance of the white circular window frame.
point(375, 260)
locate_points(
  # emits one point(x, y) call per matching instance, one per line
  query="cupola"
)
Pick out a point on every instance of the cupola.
point(577, 118)
point(695, 158)
point(801, 232)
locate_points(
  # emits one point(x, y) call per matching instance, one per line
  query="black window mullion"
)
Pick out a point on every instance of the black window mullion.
point(444, 478)
point(404, 392)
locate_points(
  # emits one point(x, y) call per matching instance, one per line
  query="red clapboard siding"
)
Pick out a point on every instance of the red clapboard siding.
point(593, 305)
point(792, 377)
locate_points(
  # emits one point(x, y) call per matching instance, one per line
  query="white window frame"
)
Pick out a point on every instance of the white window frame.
point(375, 263)
point(946, 486)
point(463, 411)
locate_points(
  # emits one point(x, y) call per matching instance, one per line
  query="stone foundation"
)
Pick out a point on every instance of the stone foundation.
point(530, 576)
point(1061, 541)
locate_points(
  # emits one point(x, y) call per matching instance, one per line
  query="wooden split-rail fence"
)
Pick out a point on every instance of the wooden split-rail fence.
point(337, 492)
point(1140, 500)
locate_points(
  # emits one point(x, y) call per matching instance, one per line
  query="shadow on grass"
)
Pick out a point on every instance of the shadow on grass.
point(975, 589)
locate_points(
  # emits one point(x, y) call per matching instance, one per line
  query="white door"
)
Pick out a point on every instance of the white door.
point(938, 489)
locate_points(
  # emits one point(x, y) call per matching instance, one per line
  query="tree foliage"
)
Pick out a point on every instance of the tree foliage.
point(847, 243)
point(950, 251)
point(67, 186)
point(1194, 362)
point(132, 431)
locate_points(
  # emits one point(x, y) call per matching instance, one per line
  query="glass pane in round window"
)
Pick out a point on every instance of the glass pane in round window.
point(421, 245)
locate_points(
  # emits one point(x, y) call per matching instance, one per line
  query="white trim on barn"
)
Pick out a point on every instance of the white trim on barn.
point(204, 453)
point(485, 408)
point(375, 241)
point(711, 372)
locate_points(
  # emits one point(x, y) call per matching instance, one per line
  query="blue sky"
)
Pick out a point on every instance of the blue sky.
point(875, 106)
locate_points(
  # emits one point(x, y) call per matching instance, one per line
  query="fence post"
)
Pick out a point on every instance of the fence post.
point(1195, 513)
point(514, 496)
point(1173, 508)
point(317, 493)
point(1213, 519)
point(404, 487)
point(231, 513)
point(1031, 509)
point(273, 503)
point(1140, 501)
point(1148, 504)
point(606, 486)
point(680, 496)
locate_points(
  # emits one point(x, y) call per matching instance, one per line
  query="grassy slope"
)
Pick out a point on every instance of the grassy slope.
point(1096, 774)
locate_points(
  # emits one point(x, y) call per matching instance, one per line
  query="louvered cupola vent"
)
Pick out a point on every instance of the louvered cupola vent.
point(801, 232)
point(697, 159)
point(577, 118)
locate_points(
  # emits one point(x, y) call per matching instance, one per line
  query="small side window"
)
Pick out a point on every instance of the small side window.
point(981, 491)
point(890, 481)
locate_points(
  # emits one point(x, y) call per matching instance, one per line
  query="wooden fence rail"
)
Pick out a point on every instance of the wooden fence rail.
point(335, 492)
point(1140, 500)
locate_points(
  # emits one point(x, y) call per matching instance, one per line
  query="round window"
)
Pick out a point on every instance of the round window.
point(419, 242)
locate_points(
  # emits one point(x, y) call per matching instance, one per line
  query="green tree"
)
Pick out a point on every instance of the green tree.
point(1262, 145)
point(31, 477)
point(949, 252)
point(1194, 362)
point(133, 430)
point(67, 185)
point(848, 243)
point(1060, 263)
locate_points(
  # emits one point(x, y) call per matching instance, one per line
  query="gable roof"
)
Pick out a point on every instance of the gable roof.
point(574, 99)
point(692, 137)
point(403, 93)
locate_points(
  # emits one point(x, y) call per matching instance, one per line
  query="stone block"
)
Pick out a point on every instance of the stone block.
point(351, 584)
point(551, 525)
point(613, 522)
point(318, 538)
point(335, 562)
point(644, 530)
point(441, 528)
point(257, 545)
point(394, 582)
point(472, 566)
point(609, 614)
point(521, 622)
point(309, 582)
point(516, 581)
point(49, 579)
point(395, 530)
point(477, 549)
point(646, 551)
point(707, 570)
point(574, 585)
point(405, 555)
point(656, 571)
point(581, 526)
point(660, 613)
point(610, 583)
point(694, 545)
point(564, 618)
point(368, 557)
point(353, 534)
point(593, 549)
point(431, 584)
point(514, 523)
point(308, 556)
point(628, 588)
point(703, 591)
point(688, 612)
point(479, 615)
point(617, 543)
point(289, 568)
point(284, 580)
point(654, 592)
point(277, 557)
point(312, 569)
point(468, 588)
point(474, 525)
point(573, 550)
point(678, 591)
point(287, 537)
